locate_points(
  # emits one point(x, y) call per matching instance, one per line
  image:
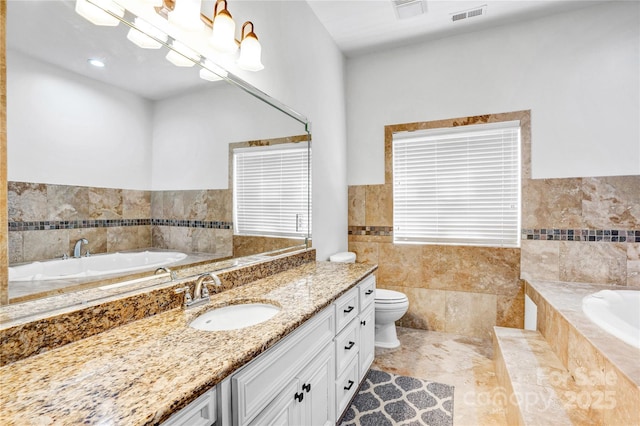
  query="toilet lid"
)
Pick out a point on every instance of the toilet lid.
point(389, 296)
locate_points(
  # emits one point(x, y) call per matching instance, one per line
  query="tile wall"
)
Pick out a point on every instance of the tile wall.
point(468, 290)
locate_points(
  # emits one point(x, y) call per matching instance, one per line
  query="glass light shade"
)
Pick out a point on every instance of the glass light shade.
point(223, 34)
point(186, 15)
point(181, 55)
point(206, 74)
point(97, 15)
point(142, 37)
point(250, 53)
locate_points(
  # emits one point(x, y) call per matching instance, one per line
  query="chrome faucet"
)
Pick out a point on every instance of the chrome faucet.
point(201, 292)
point(78, 247)
point(165, 270)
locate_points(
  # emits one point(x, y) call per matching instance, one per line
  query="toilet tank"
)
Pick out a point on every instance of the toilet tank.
point(343, 257)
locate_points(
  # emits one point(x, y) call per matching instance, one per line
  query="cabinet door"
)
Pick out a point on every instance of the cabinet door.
point(317, 384)
point(367, 339)
point(285, 409)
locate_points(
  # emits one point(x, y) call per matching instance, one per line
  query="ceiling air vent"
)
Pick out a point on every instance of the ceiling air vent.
point(409, 8)
point(478, 11)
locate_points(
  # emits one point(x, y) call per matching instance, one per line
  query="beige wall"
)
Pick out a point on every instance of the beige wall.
point(4, 294)
point(467, 290)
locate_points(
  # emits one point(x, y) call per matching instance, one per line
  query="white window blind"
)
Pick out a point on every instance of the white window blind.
point(458, 185)
point(271, 190)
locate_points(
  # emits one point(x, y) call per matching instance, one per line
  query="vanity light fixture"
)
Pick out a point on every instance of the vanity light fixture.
point(250, 50)
point(145, 35)
point(186, 15)
point(206, 74)
point(181, 55)
point(223, 29)
point(97, 14)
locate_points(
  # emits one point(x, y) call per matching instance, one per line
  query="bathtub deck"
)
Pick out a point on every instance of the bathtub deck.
point(537, 388)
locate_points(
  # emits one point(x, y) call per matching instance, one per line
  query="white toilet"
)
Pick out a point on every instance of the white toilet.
point(390, 306)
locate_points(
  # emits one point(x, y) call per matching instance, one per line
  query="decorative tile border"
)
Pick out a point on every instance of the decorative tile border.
point(109, 223)
point(585, 235)
point(588, 235)
point(380, 231)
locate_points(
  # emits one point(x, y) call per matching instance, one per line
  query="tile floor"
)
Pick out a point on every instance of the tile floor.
point(464, 362)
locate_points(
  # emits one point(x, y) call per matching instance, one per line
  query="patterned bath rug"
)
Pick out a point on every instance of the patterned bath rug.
point(386, 399)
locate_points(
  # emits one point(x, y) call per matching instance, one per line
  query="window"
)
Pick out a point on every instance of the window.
point(458, 185)
point(271, 190)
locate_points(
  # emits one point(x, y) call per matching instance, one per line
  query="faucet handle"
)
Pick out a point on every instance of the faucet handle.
point(187, 294)
point(87, 253)
point(65, 256)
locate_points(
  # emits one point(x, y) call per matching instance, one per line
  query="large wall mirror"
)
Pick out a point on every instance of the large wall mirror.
point(138, 156)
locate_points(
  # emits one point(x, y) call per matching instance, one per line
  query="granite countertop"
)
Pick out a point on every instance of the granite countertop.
point(142, 372)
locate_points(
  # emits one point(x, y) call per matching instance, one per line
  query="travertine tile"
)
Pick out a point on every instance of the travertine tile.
point(557, 330)
point(475, 269)
point(66, 202)
point(633, 265)
point(97, 238)
point(173, 205)
point(15, 253)
point(461, 361)
point(552, 203)
point(121, 238)
point(136, 204)
point(106, 203)
point(43, 245)
point(540, 260)
point(611, 202)
point(26, 202)
point(624, 396)
point(219, 205)
point(604, 263)
point(470, 314)
point(370, 239)
point(357, 196)
point(400, 266)
point(426, 308)
point(157, 205)
point(510, 309)
point(365, 252)
point(379, 205)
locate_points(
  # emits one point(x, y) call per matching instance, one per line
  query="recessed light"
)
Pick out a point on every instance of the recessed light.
point(96, 63)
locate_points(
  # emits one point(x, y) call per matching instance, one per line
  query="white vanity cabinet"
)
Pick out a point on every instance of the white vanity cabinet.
point(355, 337)
point(292, 382)
point(308, 378)
point(201, 412)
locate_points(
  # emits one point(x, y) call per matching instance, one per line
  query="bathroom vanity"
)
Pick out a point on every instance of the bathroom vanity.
point(303, 366)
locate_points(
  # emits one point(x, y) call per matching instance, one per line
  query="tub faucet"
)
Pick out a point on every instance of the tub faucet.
point(78, 246)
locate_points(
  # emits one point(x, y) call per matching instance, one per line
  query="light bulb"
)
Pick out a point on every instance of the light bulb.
point(186, 15)
point(144, 33)
point(95, 12)
point(250, 52)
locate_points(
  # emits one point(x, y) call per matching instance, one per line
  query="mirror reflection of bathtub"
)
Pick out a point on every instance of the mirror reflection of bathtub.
point(144, 156)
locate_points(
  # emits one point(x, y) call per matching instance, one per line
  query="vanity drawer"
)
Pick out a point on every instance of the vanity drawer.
point(347, 346)
point(201, 412)
point(346, 386)
point(367, 292)
point(346, 308)
point(255, 385)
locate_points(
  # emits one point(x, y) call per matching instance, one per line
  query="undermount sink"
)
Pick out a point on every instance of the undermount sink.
point(233, 317)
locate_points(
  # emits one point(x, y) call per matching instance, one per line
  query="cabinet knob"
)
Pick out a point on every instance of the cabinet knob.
point(306, 387)
point(350, 345)
point(363, 322)
point(350, 385)
point(299, 396)
point(368, 292)
point(349, 309)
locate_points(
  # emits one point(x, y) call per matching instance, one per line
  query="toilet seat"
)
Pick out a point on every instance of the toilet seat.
point(384, 297)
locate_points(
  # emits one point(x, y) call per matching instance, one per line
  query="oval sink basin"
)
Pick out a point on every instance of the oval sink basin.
point(233, 317)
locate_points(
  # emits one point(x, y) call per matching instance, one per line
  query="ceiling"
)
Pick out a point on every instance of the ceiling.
point(362, 26)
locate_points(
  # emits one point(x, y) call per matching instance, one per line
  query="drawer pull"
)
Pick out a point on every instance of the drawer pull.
point(306, 387)
point(363, 323)
point(349, 309)
point(299, 396)
point(368, 292)
point(350, 345)
point(350, 385)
